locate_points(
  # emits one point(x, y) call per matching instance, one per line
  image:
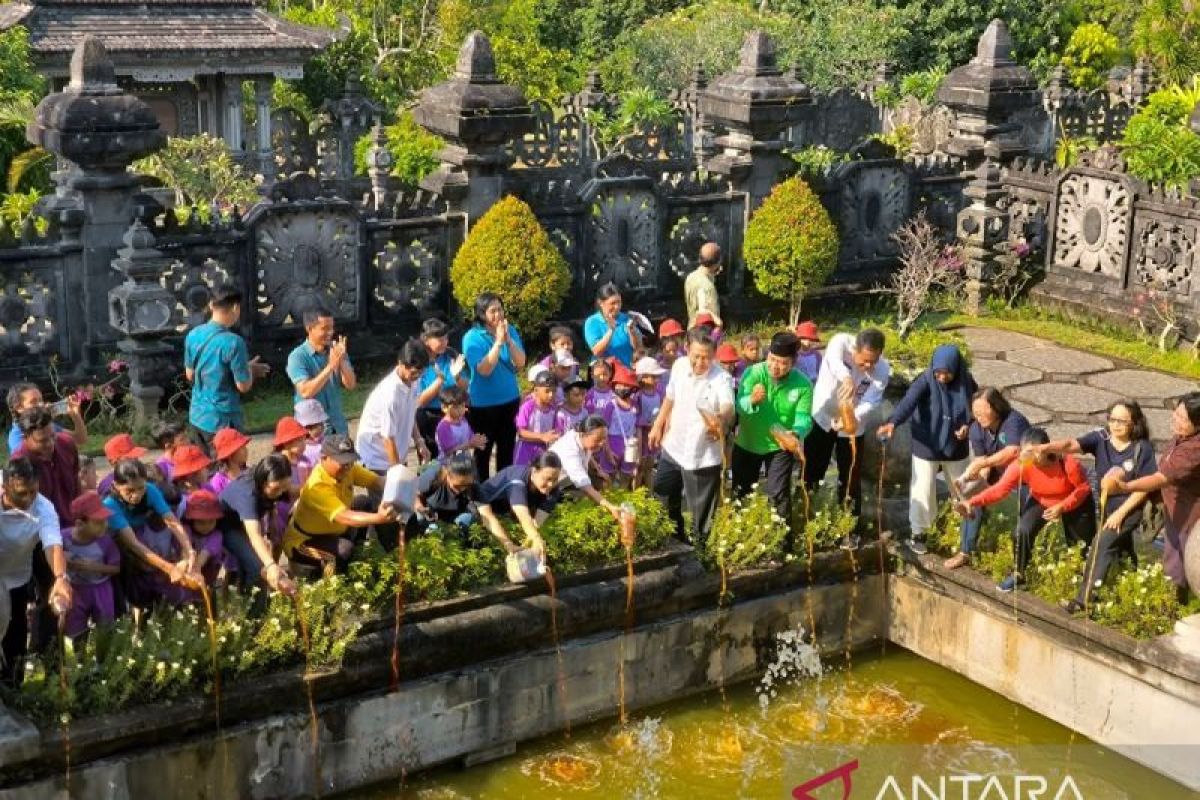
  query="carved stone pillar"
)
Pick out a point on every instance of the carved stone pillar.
point(231, 112)
point(982, 227)
point(478, 115)
point(379, 159)
point(352, 114)
point(985, 94)
point(262, 126)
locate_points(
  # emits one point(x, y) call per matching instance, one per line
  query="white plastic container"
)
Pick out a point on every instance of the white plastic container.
point(524, 565)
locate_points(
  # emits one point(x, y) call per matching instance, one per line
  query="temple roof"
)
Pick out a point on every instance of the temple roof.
point(168, 40)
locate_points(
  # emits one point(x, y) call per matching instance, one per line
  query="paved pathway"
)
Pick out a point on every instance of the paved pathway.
point(1068, 391)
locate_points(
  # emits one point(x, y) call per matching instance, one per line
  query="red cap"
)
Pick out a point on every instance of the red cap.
point(704, 318)
point(89, 506)
point(188, 460)
point(669, 328)
point(624, 376)
point(203, 504)
point(726, 353)
point(228, 441)
point(288, 430)
point(808, 330)
point(122, 446)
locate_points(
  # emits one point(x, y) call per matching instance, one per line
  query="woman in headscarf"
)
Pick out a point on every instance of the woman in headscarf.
point(938, 403)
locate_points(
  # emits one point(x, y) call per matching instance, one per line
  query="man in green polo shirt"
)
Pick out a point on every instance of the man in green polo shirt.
point(774, 415)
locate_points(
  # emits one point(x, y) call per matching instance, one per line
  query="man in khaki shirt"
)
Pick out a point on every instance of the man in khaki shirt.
point(700, 290)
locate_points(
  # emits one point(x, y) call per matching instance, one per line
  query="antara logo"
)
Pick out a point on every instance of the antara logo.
point(944, 787)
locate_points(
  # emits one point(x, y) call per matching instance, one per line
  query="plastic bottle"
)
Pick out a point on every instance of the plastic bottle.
point(628, 525)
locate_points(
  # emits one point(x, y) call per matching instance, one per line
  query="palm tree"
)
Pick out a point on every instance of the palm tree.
point(16, 112)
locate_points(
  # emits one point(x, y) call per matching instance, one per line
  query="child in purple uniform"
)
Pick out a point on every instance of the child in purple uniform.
point(453, 432)
point(92, 560)
point(201, 517)
point(312, 415)
point(169, 436)
point(601, 394)
point(573, 409)
point(535, 420)
point(808, 360)
point(624, 438)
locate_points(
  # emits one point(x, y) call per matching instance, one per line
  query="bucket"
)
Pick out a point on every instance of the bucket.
point(524, 565)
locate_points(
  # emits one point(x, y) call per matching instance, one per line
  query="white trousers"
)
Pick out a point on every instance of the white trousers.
point(922, 494)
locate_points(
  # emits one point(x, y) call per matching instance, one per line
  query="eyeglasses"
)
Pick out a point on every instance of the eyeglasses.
point(1120, 420)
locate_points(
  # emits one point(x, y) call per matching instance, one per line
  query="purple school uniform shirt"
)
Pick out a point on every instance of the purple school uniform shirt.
point(536, 419)
point(218, 482)
point(565, 419)
point(450, 435)
point(649, 404)
point(597, 400)
point(103, 550)
point(312, 452)
point(166, 468)
point(808, 362)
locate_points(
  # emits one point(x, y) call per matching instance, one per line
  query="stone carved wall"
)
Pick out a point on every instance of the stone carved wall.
point(1091, 230)
point(1164, 255)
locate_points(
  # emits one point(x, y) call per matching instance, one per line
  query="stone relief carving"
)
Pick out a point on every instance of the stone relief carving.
point(191, 281)
point(686, 236)
point(28, 319)
point(409, 276)
point(1092, 225)
point(624, 238)
point(874, 202)
point(1165, 255)
point(305, 259)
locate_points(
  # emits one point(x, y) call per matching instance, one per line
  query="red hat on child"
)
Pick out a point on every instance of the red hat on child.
point(669, 328)
point(624, 376)
point(808, 330)
point(704, 318)
point(203, 504)
point(122, 446)
point(89, 506)
point(228, 441)
point(288, 430)
point(726, 353)
point(188, 460)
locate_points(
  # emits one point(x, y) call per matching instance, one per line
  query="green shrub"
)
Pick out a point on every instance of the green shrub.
point(509, 253)
point(1091, 52)
point(818, 160)
point(1167, 32)
point(746, 533)
point(922, 85)
point(1157, 144)
point(830, 523)
point(201, 171)
point(791, 244)
point(413, 149)
point(1140, 602)
point(1055, 569)
point(580, 535)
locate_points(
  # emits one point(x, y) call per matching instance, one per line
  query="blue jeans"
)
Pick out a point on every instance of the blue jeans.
point(971, 526)
point(249, 564)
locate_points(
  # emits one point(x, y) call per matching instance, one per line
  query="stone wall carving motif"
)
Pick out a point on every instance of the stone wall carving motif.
point(28, 318)
point(623, 231)
point(191, 280)
point(1165, 256)
point(306, 258)
point(409, 277)
point(688, 233)
point(1092, 225)
point(874, 201)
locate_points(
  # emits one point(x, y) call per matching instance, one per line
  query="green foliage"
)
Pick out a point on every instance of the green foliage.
point(1157, 143)
point(901, 139)
point(791, 244)
point(413, 149)
point(1141, 602)
point(201, 171)
point(1167, 32)
point(580, 535)
point(1056, 569)
point(509, 253)
point(922, 84)
point(1090, 54)
point(818, 160)
point(746, 533)
point(831, 522)
point(16, 207)
point(1068, 149)
point(640, 111)
point(998, 563)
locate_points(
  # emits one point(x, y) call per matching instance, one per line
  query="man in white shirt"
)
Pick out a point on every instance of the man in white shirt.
point(388, 426)
point(853, 372)
point(26, 519)
point(696, 411)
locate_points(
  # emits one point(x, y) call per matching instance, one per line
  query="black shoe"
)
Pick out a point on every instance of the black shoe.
point(917, 545)
point(1072, 607)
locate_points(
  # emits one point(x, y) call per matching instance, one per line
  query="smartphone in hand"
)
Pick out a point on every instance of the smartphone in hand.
point(60, 409)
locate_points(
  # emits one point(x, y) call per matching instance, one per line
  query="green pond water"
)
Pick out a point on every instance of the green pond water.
point(890, 711)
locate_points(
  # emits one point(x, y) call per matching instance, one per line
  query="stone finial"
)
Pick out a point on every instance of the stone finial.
point(757, 56)
point(476, 62)
point(92, 71)
point(699, 80)
point(995, 45)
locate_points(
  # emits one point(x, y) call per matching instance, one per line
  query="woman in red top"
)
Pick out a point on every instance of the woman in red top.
point(1058, 488)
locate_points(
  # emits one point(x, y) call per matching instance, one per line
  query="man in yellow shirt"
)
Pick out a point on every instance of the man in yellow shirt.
point(319, 531)
point(700, 288)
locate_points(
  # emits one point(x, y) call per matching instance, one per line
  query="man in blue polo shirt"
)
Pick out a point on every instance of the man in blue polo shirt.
point(218, 365)
point(319, 368)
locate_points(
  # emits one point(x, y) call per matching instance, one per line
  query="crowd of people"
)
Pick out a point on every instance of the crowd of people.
point(486, 435)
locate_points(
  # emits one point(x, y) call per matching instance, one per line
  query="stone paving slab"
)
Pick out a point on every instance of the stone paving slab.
point(1159, 420)
point(1060, 360)
point(1066, 398)
point(20, 740)
point(1035, 415)
point(1154, 389)
point(997, 341)
point(1002, 374)
point(1068, 430)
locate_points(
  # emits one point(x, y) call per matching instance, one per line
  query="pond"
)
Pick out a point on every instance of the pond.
point(883, 710)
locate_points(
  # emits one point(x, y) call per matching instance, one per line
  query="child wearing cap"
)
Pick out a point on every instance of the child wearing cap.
point(168, 436)
point(117, 448)
point(670, 342)
point(727, 357)
point(189, 469)
point(93, 558)
point(535, 420)
point(624, 438)
point(291, 440)
point(454, 433)
point(311, 414)
point(562, 355)
point(201, 517)
point(232, 454)
point(573, 410)
point(808, 359)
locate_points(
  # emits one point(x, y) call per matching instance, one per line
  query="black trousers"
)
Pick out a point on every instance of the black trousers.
point(746, 467)
point(427, 422)
point(1106, 549)
point(820, 446)
point(1079, 525)
point(672, 483)
point(16, 638)
point(499, 425)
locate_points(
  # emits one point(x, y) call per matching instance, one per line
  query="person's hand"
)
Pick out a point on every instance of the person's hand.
point(73, 404)
point(337, 353)
point(423, 454)
point(962, 433)
point(502, 331)
point(974, 470)
point(510, 547)
point(550, 437)
point(613, 509)
point(655, 437)
point(457, 366)
point(278, 580)
point(386, 513)
point(1114, 521)
point(537, 545)
point(885, 431)
point(963, 510)
point(61, 596)
point(1052, 513)
point(1113, 480)
point(478, 441)
point(258, 369)
point(758, 394)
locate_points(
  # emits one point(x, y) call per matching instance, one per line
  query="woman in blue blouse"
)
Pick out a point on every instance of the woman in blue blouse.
point(610, 332)
point(495, 355)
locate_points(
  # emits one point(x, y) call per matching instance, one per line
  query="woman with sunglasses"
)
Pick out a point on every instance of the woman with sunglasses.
point(1123, 445)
